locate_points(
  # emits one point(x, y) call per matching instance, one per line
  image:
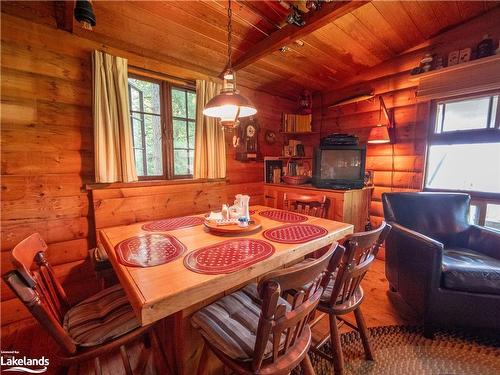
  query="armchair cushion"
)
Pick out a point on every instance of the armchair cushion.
point(470, 271)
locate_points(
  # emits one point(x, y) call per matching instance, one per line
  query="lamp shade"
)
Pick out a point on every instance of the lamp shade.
point(226, 106)
point(379, 134)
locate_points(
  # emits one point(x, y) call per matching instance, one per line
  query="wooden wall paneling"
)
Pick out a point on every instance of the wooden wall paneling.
point(47, 152)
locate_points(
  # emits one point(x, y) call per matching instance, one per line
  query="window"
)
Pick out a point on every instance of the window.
point(464, 146)
point(163, 120)
point(464, 154)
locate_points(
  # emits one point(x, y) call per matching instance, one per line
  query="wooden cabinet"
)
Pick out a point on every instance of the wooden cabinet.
point(348, 206)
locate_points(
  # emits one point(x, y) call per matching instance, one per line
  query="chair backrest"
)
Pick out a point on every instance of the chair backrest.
point(39, 289)
point(442, 216)
point(361, 249)
point(313, 205)
point(276, 322)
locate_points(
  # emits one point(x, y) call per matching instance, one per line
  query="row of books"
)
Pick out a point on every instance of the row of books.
point(296, 123)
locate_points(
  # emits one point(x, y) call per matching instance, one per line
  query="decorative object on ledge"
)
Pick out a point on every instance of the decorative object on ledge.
point(270, 137)
point(229, 105)
point(84, 14)
point(383, 133)
point(305, 103)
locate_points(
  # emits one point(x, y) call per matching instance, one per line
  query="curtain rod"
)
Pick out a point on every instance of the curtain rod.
point(152, 74)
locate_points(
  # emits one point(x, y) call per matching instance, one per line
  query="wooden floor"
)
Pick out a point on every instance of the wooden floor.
point(380, 308)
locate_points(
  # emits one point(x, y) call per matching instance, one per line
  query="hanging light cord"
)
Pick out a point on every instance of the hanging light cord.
point(229, 34)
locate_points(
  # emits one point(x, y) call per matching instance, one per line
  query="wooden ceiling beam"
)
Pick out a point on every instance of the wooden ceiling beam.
point(329, 12)
point(64, 14)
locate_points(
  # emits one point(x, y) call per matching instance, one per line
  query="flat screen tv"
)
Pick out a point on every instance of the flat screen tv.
point(339, 167)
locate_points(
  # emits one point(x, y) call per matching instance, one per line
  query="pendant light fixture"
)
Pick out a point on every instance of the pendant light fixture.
point(229, 105)
point(381, 133)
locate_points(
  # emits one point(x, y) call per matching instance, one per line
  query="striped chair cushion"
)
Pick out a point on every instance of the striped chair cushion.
point(101, 318)
point(231, 323)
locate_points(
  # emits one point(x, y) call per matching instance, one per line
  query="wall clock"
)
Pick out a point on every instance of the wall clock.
point(247, 145)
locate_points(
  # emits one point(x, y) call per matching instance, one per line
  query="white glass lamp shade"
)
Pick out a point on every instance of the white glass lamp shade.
point(226, 105)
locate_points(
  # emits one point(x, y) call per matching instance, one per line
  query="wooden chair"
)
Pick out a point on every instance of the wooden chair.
point(343, 293)
point(313, 205)
point(255, 331)
point(86, 331)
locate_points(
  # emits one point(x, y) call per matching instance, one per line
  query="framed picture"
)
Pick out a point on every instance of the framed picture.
point(464, 55)
point(453, 58)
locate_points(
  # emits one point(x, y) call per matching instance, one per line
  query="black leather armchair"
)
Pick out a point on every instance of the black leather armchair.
point(446, 269)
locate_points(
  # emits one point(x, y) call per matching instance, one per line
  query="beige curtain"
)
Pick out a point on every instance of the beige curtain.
point(210, 148)
point(113, 144)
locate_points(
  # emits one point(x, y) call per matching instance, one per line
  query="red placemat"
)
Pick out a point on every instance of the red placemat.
point(294, 233)
point(149, 250)
point(173, 223)
point(283, 216)
point(228, 256)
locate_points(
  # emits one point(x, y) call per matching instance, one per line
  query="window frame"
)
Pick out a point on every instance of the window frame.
point(166, 121)
point(471, 136)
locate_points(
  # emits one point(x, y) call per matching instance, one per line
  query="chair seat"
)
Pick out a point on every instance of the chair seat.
point(470, 271)
point(230, 324)
point(101, 318)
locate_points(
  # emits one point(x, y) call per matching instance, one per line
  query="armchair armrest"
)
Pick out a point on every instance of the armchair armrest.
point(484, 240)
point(413, 264)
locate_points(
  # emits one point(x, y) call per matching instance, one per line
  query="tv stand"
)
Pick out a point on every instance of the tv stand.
point(348, 206)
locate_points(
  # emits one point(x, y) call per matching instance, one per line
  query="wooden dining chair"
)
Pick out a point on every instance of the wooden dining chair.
point(343, 293)
point(86, 331)
point(255, 331)
point(313, 205)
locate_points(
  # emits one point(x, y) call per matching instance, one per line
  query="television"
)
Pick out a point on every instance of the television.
point(339, 167)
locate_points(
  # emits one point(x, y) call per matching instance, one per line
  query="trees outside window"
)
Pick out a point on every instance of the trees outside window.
point(163, 119)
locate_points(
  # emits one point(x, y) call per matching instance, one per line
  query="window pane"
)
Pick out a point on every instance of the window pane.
point(150, 94)
point(136, 131)
point(181, 162)
point(145, 97)
point(473, 214)
point(492, 216)
point(179, 103)
point(474, 167)
point(464, 115)
point(180, 134)
point(139, 162)
point(135, 98)
point(191, 161)
point(154, 155)
point(191, 131)
point(191, 105)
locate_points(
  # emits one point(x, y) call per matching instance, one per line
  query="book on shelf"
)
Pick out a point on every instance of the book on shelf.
point(296, 123)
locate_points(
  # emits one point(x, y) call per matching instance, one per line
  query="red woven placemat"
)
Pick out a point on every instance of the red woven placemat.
point(283, 216)
point(294, 233)
point(149, 250)
point(173, 223)
point(228, 256)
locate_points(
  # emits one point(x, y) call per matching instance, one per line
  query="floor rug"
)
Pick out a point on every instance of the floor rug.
point(404, 350)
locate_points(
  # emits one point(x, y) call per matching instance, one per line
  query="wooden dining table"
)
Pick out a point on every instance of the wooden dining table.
point(170, 293)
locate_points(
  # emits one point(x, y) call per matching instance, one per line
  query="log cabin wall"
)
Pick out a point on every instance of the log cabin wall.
point(47, 148)
point(398, 167)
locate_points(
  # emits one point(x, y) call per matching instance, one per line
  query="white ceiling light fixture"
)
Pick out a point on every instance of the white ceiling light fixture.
point(229, 105)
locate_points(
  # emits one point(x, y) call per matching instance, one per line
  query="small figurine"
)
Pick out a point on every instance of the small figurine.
point(485, 47)
point(426, 63)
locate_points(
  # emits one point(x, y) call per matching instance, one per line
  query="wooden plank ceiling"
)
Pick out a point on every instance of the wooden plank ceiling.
point(193, 33)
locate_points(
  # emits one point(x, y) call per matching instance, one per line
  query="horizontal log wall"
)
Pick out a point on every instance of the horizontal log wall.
point(401, 166)
point(47, 153)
